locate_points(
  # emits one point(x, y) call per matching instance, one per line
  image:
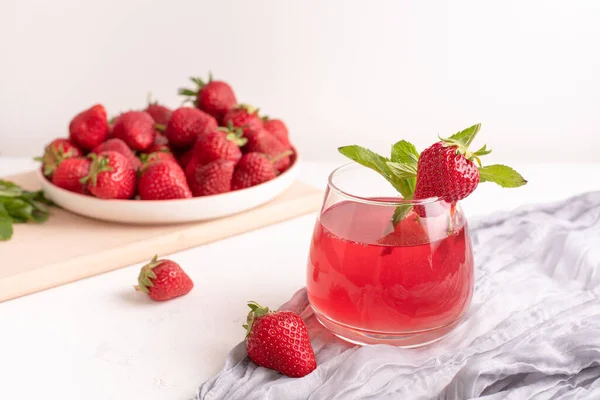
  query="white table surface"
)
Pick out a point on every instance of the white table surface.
point(99, 339)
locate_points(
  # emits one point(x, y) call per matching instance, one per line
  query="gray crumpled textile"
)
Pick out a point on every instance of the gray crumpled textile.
point(532, 332)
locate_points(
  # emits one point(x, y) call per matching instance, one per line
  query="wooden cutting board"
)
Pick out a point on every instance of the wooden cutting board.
point(31, 262)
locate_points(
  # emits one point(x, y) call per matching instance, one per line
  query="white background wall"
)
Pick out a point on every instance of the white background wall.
point(338, 72)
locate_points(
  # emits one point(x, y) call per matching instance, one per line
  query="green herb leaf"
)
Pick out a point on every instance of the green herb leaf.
point(501, 175)
point(19, 206)
point(378, 163)
point(9, 189)
point(405, 171)
point(465, 137)
point(404, 152)
point(6, 225)
point(400, 213)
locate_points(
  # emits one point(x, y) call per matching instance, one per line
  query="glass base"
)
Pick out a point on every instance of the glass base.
point(362, 337)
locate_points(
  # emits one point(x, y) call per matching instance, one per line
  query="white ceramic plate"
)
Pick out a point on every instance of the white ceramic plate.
point(170, 211)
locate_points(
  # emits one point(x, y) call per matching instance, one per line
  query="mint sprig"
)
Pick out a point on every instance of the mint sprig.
point(502, 175)
point(378, 163)
point(402, 166)
point(19, 206)
point(400, 170)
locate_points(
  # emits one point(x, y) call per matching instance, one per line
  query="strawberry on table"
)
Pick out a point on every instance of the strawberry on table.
point(186, 125)
point(163, 280)
point(253, 169)
point(277, 128)
point(213, 97)
point(89, 128)
point(136, 129)
point(212, 178)
point(70, 172)
point(261, 141)
point(243, 116)
point(111, 176)
point(279, 340)
point(119, 146)
point(55, 152)
point(163, 180)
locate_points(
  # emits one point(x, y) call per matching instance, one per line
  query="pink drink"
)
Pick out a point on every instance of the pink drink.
point(366, 276)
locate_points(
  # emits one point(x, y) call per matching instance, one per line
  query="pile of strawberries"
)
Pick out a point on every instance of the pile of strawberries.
point(159, 154)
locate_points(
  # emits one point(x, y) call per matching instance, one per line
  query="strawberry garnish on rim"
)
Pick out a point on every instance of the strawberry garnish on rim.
point(448, 170)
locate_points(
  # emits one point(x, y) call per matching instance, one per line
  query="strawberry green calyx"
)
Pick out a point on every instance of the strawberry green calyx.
point(191, 94)
point(160, 127)
point(234, 134)
point(147, 274)
point(99, 164)
point(279, 156)
point(248, 108)
point(54, 156)
point(463, 139)
point(256, 311)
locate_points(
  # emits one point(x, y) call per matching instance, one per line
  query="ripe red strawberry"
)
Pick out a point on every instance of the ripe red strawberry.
point(70, 172)
point(111, 176)
point(163, 180)
point(279, 340)
point(136, 129)
point(57, 151)
point(160, 155)
point(220, 144)
point(243, 116)
point(253, 169)
point(120, 147)
point(163, 280)
point(261, 141)
point(410, 231)
point(159, 113)
point(446, 174)
point(212, 178)
point(89, 128)
point(186, 125)
point(215, 97)
point(278, 129)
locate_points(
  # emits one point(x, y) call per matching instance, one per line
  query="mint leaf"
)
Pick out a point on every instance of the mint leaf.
point(377, 163)
point(501, 175)
point(400, 213)
point(6, 226)
point(404, 152)
point(406, 171)
point(464, 137)
point(20, 206)
point(9, 189)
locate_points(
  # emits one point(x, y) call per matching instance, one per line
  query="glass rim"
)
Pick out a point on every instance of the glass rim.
point(367, 200)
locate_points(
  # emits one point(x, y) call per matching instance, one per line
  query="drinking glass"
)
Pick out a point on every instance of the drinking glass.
point(374, 280)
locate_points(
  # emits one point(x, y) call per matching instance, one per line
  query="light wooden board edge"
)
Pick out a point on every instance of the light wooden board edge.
point(70, 271)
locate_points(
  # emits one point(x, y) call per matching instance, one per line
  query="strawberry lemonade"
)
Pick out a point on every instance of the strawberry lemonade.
point(365, 275)
point(390, 259)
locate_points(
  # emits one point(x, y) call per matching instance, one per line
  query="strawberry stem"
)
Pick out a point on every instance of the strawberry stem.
point(280, 156)
point(146, 275)
point(99, 164)
point(256, 311)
